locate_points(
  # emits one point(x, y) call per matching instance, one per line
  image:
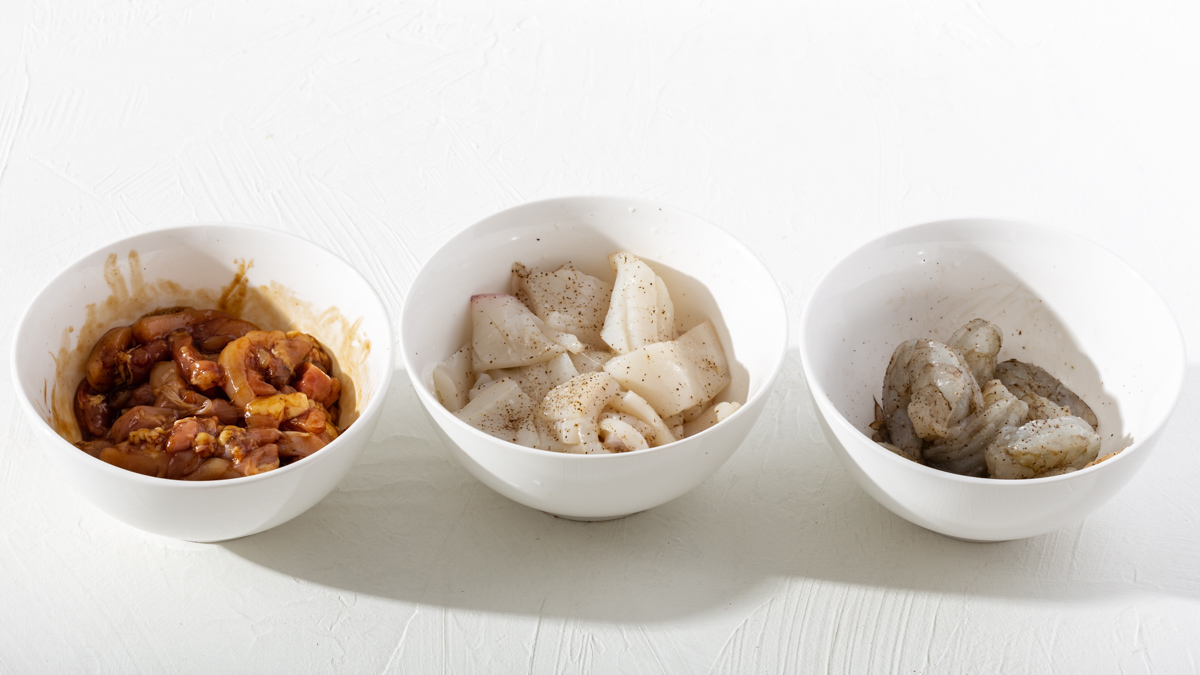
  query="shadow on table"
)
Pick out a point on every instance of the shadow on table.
point(410, 524)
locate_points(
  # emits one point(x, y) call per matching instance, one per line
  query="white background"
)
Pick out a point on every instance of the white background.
point(805, 128)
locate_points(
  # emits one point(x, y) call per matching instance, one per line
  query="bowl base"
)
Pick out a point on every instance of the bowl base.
point(584, 519)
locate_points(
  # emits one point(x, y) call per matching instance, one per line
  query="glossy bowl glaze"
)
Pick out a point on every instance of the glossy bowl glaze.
point(277, 280)
point(709, 274)
point(1062, 302)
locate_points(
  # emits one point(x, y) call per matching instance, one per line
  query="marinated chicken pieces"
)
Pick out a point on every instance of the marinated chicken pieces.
point(571, 363)
point(203, 395)
point(951, 406)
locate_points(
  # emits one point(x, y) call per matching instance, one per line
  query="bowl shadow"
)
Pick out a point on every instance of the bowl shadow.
point(408, 523)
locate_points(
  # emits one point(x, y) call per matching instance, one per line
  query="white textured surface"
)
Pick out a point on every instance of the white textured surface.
point(378, 129)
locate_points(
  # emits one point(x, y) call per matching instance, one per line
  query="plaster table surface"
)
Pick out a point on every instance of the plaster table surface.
point(804, 128)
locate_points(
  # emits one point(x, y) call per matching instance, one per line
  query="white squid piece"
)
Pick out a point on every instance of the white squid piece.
point(591, 360)
point(453, 378)
point(505, 334)
point(675, 375)
point(641, 312)
point(566, 299)
point(537, 380)
point(711, 415)
point(569, 414)
point(502, 410)
point(629, 403)
point(620, 436)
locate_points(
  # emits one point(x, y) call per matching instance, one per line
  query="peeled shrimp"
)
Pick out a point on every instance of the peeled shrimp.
point(962, 450)
point(927, 390)
point(1043, 448)
point(212, 329)
point(1031, 383)
point(906, 454)
point(260, 362)
point(979, 343)
point(117, 360)
point(172, 391)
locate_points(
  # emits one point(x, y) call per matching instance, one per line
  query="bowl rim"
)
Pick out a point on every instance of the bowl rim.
point(820, 397)
point(376, 402)
point(430, 400)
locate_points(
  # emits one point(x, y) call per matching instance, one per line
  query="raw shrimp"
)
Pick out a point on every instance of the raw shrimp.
point(979, 343)
point(928, 389)
point(1030, 382)
point(260, 363)
point(962, 450)
point(906, 454)
point(1043, 448)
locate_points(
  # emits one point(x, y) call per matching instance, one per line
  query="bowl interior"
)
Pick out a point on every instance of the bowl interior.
point(1063, 303)
point(710, 275)
point(276, 280)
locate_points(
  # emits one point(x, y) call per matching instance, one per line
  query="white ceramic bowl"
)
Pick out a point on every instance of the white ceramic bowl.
point(287, 283)
point(709, 274)
point(1062, 302)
